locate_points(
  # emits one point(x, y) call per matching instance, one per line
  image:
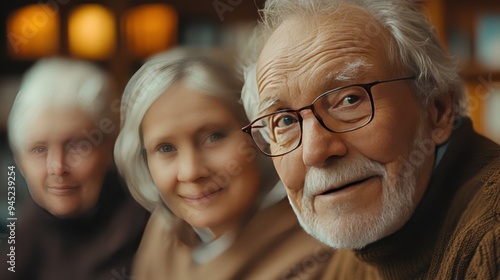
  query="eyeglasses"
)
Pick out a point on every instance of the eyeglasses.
point(342, 109)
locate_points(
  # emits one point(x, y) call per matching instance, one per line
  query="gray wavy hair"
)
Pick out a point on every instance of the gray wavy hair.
point(414, 45)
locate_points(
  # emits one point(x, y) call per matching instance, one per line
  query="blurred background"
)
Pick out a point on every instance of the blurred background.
point(119, 34)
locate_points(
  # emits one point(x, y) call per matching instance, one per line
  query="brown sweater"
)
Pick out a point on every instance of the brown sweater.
point(454, 232)
point(270, 246)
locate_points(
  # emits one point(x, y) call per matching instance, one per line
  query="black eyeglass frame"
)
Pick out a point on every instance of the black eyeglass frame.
point(367, 87)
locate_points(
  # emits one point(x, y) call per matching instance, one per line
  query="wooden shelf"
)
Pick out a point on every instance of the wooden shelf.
point(473, 72)
point(449, 16)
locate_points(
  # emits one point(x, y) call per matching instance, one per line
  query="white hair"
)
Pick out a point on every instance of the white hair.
point(413, 45)
point(55, 83)
point(210, 72)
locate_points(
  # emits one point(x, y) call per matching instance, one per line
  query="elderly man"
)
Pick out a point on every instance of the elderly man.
point(366, 120)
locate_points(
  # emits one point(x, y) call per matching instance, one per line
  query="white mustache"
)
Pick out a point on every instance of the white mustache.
point(340, 173)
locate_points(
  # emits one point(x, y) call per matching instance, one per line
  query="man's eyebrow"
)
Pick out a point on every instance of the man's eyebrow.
point(351, 72)
point(266, 103)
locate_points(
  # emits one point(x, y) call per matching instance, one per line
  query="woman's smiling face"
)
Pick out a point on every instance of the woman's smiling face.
point(204, 167)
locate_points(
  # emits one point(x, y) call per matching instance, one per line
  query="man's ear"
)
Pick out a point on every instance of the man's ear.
point(441, 117)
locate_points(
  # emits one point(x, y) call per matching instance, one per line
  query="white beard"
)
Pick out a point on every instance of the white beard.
point(354, 230)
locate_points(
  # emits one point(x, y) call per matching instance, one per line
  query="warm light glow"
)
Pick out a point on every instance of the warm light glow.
point(33, 32)
point(150, 29)
point(91, 32)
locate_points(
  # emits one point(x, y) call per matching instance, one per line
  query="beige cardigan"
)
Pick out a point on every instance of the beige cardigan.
point(271, 246)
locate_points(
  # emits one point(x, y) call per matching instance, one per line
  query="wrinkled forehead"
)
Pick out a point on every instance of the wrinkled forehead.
point(342, 46)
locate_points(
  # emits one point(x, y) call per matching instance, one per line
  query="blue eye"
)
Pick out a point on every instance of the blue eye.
point(285, 120)
point(215, 137)
point(166, 148)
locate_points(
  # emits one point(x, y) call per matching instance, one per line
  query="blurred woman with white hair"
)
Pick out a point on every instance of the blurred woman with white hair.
point(218, 208)
point(81, 223)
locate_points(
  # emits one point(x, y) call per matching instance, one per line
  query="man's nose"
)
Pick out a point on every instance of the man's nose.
point(191, 166)
point(319, 145)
